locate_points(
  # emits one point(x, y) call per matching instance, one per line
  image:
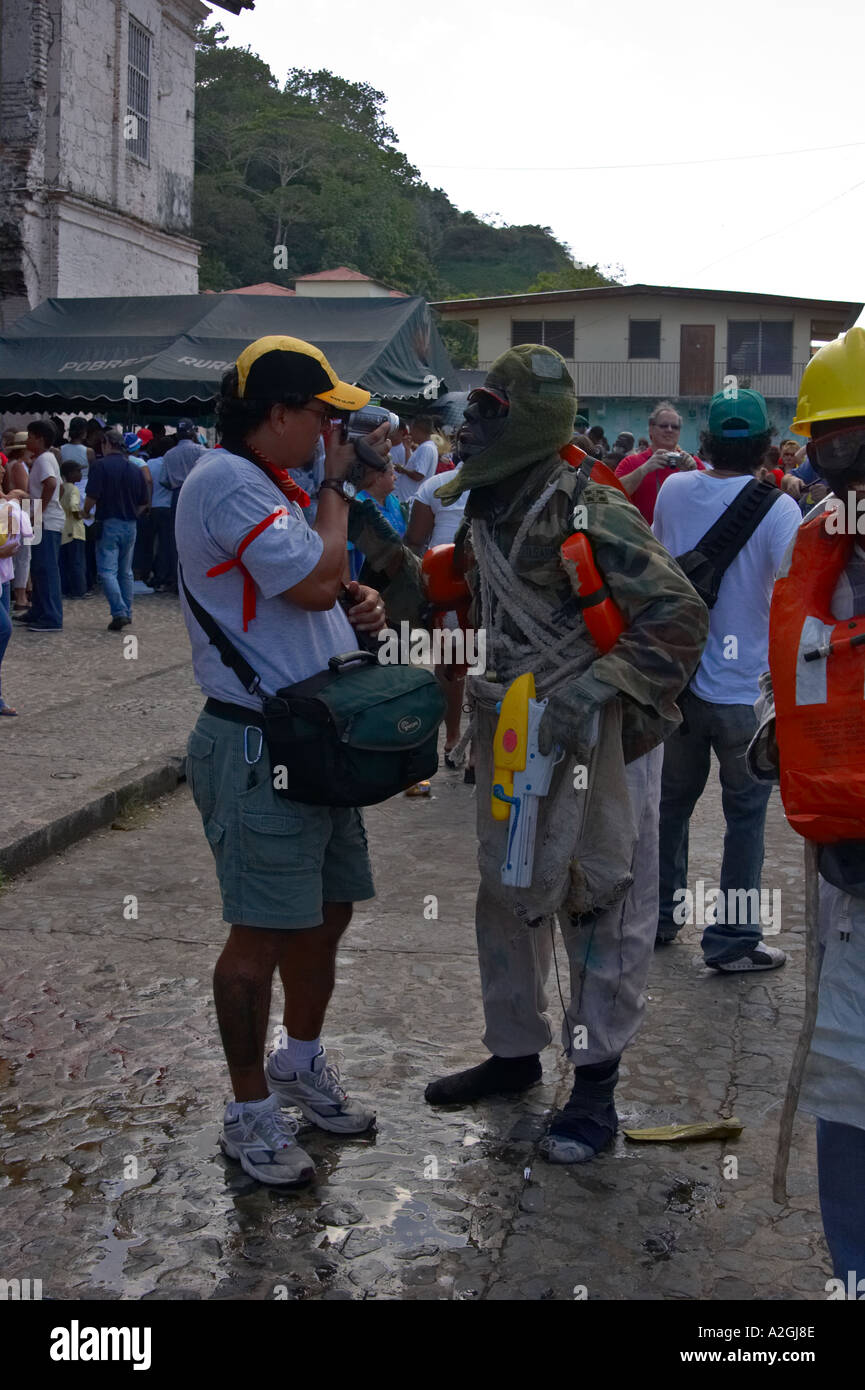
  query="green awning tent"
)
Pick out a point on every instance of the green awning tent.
point(170, 351)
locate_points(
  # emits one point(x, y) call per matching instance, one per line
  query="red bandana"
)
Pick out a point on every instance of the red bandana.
point(286, 484)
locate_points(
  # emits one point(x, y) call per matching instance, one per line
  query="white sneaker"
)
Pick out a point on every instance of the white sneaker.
point(263, 1142)
point(760, 957)
point(139, 587)
point(319, 1096)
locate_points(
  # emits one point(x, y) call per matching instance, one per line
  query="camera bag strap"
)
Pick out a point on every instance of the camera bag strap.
point(229, 654)
point(735, 527)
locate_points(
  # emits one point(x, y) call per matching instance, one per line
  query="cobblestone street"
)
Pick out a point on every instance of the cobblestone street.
point(112, 1084)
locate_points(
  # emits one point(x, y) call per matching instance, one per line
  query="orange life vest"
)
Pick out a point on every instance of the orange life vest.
point(448, 589)
point(598, 473)
point(818, 680)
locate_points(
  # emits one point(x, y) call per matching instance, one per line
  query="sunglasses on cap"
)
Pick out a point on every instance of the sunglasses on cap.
point(489, 403)
point(835, 452)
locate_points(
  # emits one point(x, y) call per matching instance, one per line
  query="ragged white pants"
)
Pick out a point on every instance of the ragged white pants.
point(609, 952)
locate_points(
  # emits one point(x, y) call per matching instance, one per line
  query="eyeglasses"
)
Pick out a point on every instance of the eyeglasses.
point(488, 404)
point(667, 425)
point(324, 417)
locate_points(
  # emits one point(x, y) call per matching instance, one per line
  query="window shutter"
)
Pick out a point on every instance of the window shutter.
point(526, 331)
point(743, 343)
point(644, 339)
point(559, 334)
point(776, 348)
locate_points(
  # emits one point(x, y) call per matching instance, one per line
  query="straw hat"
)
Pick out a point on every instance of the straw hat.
point(17, 444)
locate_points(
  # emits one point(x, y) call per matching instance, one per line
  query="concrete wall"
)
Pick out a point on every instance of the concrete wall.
point(91, 158)
point(80, 214)
point(100, 253)
point(26, 30)
point(601, 325)
point(340, 289)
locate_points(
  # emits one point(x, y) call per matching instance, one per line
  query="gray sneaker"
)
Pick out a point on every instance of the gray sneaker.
point(263, 1143)
point(319, 1096)
point(758, 958)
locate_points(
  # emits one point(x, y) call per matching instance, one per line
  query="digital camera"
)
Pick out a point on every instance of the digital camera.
point(355, 430)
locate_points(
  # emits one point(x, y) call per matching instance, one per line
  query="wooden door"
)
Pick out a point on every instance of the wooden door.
point(697, 359)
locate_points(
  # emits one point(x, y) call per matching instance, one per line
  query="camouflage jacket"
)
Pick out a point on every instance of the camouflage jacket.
point(390, 566)
point(667, 623)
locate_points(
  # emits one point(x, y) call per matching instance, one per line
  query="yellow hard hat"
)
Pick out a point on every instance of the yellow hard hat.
point(833, 383)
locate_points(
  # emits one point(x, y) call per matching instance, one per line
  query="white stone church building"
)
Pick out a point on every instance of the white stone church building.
point(97, 111)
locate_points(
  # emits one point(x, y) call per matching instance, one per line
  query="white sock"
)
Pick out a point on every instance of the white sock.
point(296, 1054)
point(235, 1106)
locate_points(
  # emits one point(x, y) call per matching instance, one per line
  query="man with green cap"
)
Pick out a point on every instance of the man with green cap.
point(718, 706)
point(595, 864)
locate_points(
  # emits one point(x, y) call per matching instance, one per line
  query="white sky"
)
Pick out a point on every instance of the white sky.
point(487, 96)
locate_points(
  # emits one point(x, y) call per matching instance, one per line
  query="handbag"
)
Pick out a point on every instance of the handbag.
point(352, 735)
point(713, 554)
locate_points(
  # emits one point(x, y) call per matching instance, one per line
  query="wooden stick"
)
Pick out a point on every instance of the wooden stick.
point(812, 980)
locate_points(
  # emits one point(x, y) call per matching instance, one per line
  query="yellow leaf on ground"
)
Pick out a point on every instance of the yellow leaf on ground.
point(666, 1134)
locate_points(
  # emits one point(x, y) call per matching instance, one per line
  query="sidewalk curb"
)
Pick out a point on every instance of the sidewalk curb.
point(144, 783)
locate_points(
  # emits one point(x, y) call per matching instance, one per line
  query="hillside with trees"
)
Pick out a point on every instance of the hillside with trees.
point(313, 167)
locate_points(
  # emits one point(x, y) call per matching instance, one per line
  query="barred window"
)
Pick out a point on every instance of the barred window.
point(644, 339)
point(554, 333)
point(755, 346)
point(136, 127)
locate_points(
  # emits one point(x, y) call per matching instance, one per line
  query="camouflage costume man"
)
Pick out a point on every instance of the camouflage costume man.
point(596, 854)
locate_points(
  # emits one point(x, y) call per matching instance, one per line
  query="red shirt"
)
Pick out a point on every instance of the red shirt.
point(646, 495)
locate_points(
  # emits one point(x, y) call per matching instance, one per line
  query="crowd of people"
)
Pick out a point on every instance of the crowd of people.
point(90, 506)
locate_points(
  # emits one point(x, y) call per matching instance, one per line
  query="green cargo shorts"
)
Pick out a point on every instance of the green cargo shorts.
point(277, 860)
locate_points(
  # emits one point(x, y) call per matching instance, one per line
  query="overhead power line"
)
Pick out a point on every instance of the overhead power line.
point(654, 164)
point(782, 230)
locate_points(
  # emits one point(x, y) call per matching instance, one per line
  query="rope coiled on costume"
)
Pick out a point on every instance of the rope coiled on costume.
point(552, 654)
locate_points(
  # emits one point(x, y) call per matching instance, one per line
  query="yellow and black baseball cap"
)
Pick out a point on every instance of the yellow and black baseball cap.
point(272, 366)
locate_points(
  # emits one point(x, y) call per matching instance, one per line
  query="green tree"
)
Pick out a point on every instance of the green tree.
point(295, 179)
point(572, 277)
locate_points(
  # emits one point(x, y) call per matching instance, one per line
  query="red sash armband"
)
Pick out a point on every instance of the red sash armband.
point(248, 581)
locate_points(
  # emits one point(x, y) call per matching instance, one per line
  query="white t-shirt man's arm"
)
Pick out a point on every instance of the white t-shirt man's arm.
point(425, 460)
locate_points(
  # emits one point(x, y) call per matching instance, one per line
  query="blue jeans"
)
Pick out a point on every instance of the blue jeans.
point(114, 563)
point(46, 609)
point(5, 624)
point(165, 558)
point(841, 1173)
point(142, 555)
point(72, 573)
point(727, 730)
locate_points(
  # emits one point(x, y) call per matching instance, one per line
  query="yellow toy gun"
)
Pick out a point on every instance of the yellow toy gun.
point(520, 776)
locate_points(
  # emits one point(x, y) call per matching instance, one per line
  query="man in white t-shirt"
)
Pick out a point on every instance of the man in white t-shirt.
point(289, 872)
point(421, 464)
point(718, 704)
point(398, 445)
point(45, 613)
point(430, 521)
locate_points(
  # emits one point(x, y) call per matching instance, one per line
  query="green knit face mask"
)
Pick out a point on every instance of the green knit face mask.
point(539, 421)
